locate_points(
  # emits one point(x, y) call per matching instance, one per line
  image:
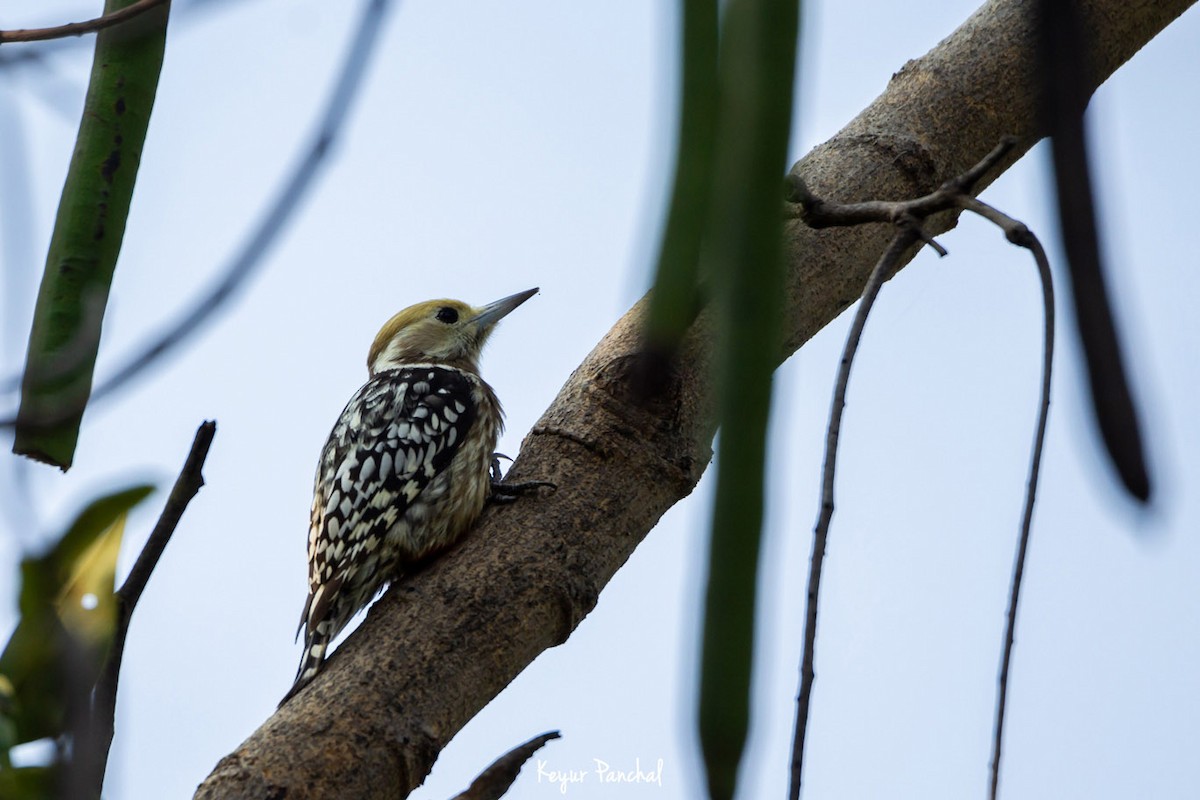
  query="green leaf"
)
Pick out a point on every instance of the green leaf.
point(8, 728)
point(29, 783)
point(31, 666)
point(57, 650)
point(88, 232)
point(87, 605)
point(743, 260)
point(94, 520)
point(676, 299)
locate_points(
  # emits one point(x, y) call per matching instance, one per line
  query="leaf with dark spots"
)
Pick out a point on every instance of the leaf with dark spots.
point(111, 164)
point(88, 230)
point(101, 216)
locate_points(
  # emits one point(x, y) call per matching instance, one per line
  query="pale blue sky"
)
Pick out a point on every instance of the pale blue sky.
point(503, 146)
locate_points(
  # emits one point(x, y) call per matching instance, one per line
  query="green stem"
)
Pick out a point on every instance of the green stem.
point(88, 232)
point(674, 301)
point(743, 259)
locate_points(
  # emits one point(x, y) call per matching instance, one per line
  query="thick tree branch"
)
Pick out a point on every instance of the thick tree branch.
point(443, 643)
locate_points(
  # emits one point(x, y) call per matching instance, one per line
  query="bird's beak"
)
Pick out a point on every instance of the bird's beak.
point(492, 313)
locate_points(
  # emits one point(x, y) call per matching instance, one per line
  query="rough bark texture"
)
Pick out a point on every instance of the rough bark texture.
point(440, 646)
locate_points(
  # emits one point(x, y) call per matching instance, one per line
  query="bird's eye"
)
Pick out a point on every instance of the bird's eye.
point(447, 315)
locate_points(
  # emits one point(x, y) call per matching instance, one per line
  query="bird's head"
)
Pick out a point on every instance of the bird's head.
point(448, 332)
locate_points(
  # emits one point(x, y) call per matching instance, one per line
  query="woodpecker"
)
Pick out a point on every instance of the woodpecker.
point(408, 466)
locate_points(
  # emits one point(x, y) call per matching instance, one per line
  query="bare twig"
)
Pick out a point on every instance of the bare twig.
point(80, 28)
point(887, 264)
point(818, 213)
point(954, 194)
point(92, 752)
point(1020, 235)
point(37, 53)
point(295, 188)
point(494, 781)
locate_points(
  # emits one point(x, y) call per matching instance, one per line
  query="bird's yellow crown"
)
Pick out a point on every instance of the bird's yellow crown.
point(448, 332)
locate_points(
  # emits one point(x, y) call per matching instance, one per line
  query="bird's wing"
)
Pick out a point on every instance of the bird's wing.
point(399, 431)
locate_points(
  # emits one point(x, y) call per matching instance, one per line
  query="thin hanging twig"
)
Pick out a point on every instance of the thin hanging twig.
point(887, 264)
point(954, 194)
point(1021, 236)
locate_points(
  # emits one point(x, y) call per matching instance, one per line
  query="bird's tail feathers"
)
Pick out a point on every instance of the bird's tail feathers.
point(316, 644)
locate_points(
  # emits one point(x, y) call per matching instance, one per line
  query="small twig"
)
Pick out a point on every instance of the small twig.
point(295, 188)
point(186, 486)
point(1018, 234)
point(92, 753)
point(887, 264)
point(494, 781)
point(818, 213)
point(80, 28)
point(36, 53)
point(908, 215)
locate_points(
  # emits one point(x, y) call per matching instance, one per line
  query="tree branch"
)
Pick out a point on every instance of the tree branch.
point(1018, 234)
point(904, 239)
point(908, 216)
point(494, 781)
point(440, 645)
point(92, 754)
point(80, 28)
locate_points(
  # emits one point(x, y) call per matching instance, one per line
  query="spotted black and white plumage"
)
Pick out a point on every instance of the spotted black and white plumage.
point(405, 471)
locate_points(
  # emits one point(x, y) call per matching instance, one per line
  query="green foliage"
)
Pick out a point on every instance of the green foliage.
point(743, 260)
point(28, 783)
point(88, 231)
point(724, 232)
point(51, 662)
point(675, 299)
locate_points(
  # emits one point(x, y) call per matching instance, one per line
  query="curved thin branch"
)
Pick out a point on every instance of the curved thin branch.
point(359, 52)
point(80, 28)
point(888, 263)
point(954, 193)
point(1021, 236)
point(358, 55)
